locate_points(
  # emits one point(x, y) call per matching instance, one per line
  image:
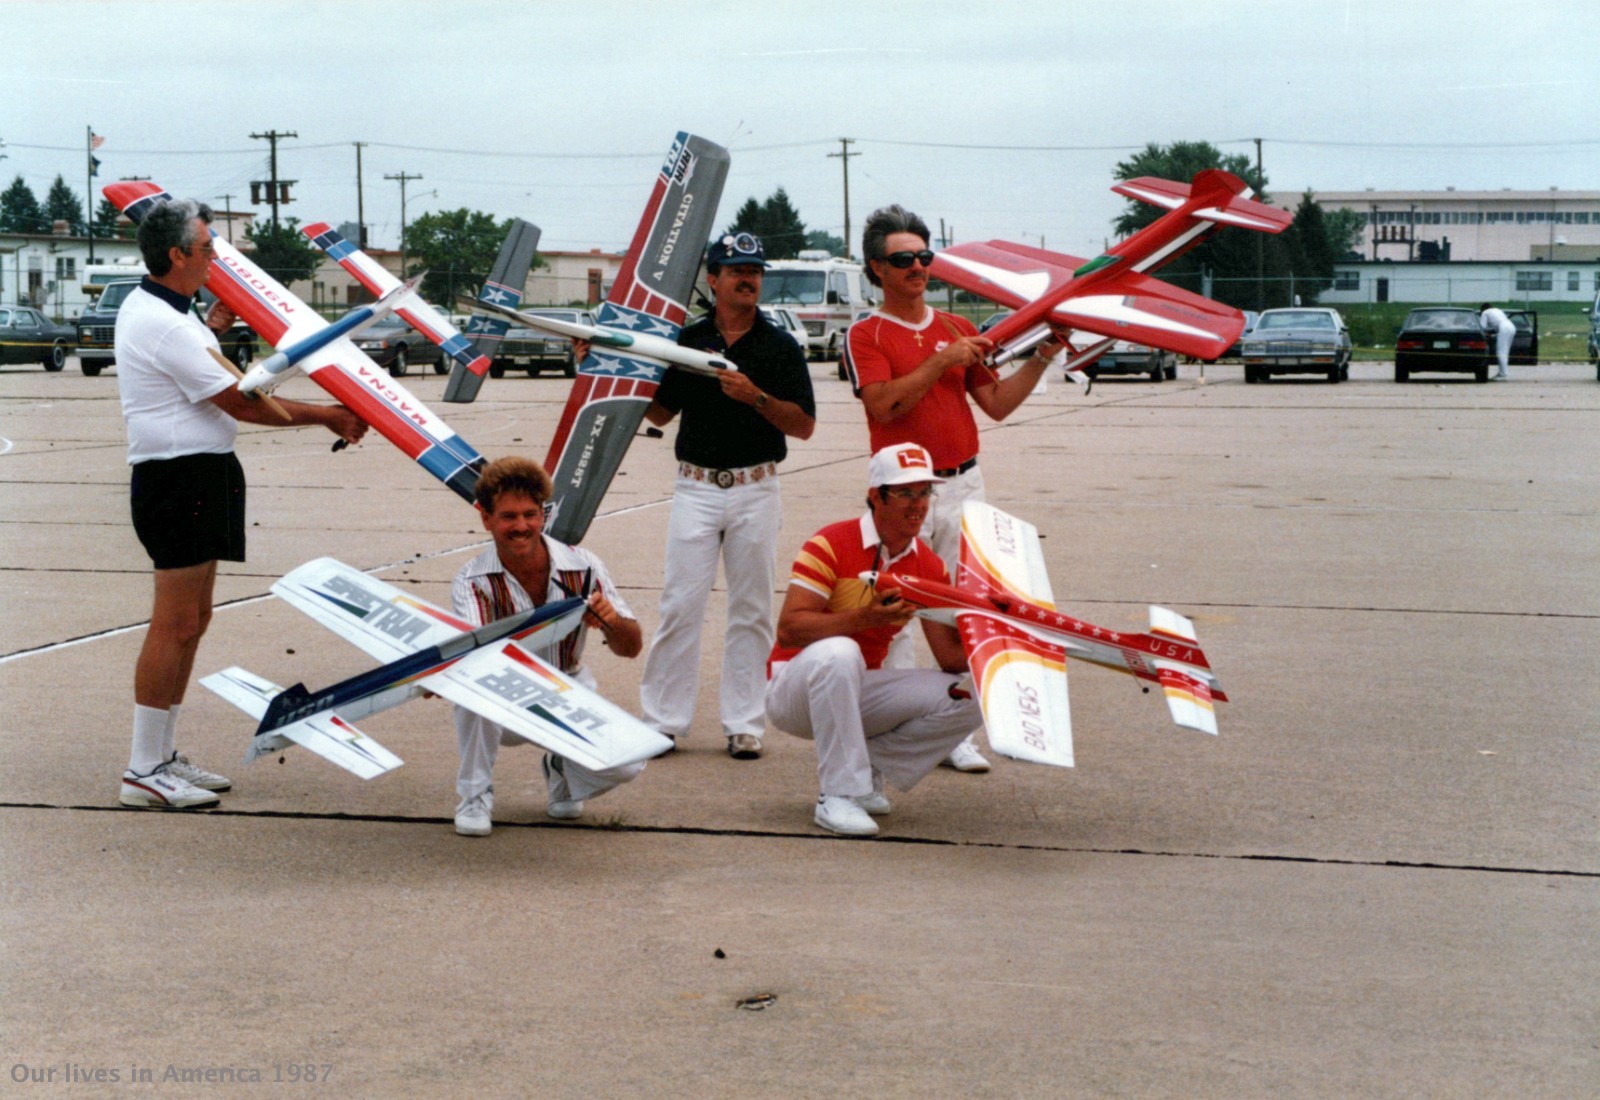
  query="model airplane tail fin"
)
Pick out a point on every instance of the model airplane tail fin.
point(504, 288)
point(379, 282)
point(1216, 196)
point(331, 736)
point(1183, 672)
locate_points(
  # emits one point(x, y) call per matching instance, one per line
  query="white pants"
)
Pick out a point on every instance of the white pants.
point(1502, 345)
point(479, 741)
point(739, 525)
point(942, 531)
point(899, 722)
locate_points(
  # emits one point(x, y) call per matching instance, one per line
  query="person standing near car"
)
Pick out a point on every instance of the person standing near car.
point(915, 368)
point(733, 433)
point(182, 408)
point(1497, 325)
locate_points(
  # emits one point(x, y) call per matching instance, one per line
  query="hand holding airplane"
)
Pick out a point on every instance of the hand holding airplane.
point(1017, 642)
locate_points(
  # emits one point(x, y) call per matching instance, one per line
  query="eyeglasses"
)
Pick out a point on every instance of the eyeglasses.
point(903, 260)
point(927, 492)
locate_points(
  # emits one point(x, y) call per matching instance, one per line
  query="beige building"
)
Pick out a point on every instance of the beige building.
point(582, 278)
point(1468, 225)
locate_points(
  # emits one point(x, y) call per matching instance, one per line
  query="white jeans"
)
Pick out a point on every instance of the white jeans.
point(740, 526)
point(479, 741)
point(899, 722)
point(1502, 345)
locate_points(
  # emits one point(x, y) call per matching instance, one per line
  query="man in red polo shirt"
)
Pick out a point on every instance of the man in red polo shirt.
point(870, 724)
point(914, 368)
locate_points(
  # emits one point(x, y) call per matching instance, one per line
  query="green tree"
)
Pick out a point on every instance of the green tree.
point(776, 222)
point(20, 211)
point(284, 252)
point(822, 239)
point(63, 204)
point(105, 220)
point(457, 248)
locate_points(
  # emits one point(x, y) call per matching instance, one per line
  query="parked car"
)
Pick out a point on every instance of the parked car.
point(1451, 339)
point(785, 318)
point(97, 330)
point(1236, 348)
point(1594, 335)
point(533, 351)
point(395, 345)
point(1297, 341)
point(844, 345)
point(1126, 357)
point(28, 336)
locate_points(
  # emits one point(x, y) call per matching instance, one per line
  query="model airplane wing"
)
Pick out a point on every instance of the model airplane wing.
point(651, 296)
point(1130, 307)
point(503, 288)
point(1020, 675)
point(341, 368)
point(490, 670)
point(379, 282)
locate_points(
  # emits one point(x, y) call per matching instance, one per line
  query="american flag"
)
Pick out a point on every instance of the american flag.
point(95, 140)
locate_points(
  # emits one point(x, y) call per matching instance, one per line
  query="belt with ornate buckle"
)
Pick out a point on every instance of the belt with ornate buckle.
point(727, 479)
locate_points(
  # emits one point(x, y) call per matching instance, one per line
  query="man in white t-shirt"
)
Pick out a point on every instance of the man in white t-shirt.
point(182, 404)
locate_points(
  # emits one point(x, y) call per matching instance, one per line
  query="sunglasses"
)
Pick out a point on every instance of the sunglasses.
point(908, 495)
point(903, 260)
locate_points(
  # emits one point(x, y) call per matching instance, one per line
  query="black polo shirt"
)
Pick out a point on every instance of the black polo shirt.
point(718, 432)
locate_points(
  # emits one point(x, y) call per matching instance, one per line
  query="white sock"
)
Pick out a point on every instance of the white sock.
point(149, 734)
point(169, 736)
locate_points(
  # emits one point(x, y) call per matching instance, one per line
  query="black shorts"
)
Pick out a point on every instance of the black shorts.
point(190, 510)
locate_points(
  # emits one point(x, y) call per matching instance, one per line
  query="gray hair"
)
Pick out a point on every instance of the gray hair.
point(168, 225)
point(882, 222)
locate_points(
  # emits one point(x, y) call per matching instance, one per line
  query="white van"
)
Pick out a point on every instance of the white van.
point(824, 291)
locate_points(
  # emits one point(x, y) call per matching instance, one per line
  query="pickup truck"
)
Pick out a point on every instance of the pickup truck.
point(97, 330)
point(28, 336)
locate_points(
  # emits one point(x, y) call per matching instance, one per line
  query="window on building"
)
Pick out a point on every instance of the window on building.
point(1534, 280)
point(1346, 280)
point(66, 268)
point(1572, 280)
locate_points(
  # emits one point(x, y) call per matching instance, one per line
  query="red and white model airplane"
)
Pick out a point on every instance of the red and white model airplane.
point(1111, 296)
point(339, 367)
point(1017, 642)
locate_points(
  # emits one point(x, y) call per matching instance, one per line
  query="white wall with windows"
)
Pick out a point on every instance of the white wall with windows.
point(1463, 283)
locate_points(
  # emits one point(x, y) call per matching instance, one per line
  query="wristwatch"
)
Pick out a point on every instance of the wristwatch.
point(761, 401)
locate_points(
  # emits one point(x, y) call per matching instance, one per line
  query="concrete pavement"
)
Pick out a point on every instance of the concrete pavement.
point(1379, 880)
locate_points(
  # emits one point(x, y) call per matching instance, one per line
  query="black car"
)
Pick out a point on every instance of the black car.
point(393, 344)
point(28, 336)
point(97, 330)
point(1450, 339)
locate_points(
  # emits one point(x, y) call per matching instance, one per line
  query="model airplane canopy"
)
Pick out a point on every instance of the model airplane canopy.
point(341, 368)
point(1111, 295)
point(651, 297)
point(1017, 642)
point(494, 670)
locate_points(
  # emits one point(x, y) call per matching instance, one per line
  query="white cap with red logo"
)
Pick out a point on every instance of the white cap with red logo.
point(902, 464)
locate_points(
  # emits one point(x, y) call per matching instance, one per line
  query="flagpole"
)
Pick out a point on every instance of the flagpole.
point(88, 185)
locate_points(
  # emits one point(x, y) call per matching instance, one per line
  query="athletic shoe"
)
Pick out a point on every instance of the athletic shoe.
point(841, 814)
point(876, 803)
point(197, 776)
point(744, 746)
point(562, 806)
point(965, 757)
point(161, 790)
point(472, 816)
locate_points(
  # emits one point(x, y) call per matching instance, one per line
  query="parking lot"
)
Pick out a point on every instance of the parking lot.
point(1380, 879)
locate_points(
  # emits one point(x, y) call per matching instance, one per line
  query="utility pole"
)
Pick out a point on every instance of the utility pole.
point(1261, 255)
point(403, 178)
point(844, 154)
point(90, 164)
point(361, 215)
point(277, 192)
point(227, 207)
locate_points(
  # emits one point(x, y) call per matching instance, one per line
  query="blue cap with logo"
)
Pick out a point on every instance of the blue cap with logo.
point(734, 249)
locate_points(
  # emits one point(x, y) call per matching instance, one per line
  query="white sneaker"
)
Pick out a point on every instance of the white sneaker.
point(965, 757)
point(842, 814)
point(163, 791)
point(197, 776)
point(562, 806)
point(472, 816)
point(877, 803)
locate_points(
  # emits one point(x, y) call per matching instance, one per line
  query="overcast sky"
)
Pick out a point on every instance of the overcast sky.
point(561, 112)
